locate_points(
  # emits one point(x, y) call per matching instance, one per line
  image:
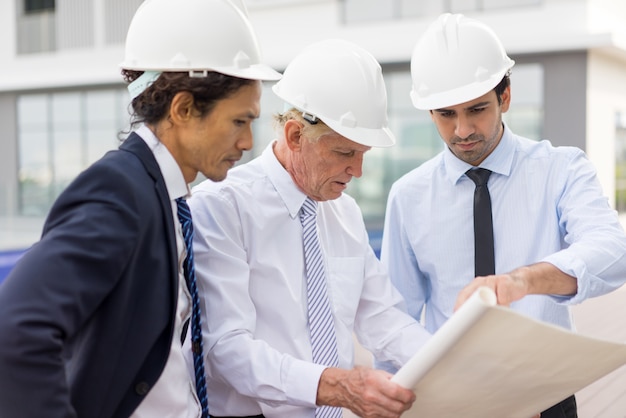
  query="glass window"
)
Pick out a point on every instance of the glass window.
point(416, 141)
point(525, 116)
point(117, 16)
point(356, 11)
point(412, 8)
point(35, 173)
point(103, 117)
point(461, 6)
point(59, 135)
point(367, 10)
point(67, 147)
point(35, 6)
point(263, 128)
point(32, 112)
point(620, 163)
point(498, 4)
point(35, 31)
point(35, 166)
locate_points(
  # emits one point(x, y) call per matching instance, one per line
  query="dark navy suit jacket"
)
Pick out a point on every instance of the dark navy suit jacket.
point(87, 314)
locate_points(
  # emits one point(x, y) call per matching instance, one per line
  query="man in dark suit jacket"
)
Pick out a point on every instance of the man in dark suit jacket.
point(91, 317)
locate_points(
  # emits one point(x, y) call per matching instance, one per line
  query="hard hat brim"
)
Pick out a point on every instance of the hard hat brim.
point(459, 95)
point(254, 72)
point(370, 137)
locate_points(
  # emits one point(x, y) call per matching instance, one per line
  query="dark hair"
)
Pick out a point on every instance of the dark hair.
point(153, 104)
point(502, 85)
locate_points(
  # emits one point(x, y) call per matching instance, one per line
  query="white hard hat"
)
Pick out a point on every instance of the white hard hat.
point(241, 5)
point(456, 60)
point(342, 84)
point(196, 36)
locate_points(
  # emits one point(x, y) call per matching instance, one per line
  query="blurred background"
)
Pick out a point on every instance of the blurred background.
point(63, 102)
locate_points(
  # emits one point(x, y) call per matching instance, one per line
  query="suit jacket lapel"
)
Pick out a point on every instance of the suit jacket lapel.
point(137, 146)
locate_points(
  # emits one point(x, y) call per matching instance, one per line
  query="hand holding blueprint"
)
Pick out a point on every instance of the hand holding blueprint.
point(490, 361)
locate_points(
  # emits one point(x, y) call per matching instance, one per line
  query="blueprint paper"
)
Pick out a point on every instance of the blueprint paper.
point(490, 361)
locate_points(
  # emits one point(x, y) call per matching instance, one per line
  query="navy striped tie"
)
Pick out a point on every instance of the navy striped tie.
point(321, 325)
point(184, 216)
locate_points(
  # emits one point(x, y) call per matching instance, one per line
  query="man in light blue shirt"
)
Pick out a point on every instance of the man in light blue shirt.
point(557, 241)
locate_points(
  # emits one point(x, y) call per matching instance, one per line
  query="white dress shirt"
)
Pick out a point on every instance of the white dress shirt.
point(250, 269)
point(547, 206)
point(174, 393)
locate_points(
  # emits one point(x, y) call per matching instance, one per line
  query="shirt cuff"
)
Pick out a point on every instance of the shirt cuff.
point(302, 379)
point(574, 267)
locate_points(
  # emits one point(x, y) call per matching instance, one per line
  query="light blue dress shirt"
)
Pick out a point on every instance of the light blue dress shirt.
point(547, 206)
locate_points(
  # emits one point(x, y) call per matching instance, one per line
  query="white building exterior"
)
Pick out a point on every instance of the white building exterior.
point(62, 100)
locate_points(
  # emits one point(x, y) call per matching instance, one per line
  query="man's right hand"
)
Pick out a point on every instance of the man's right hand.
point(366, 392)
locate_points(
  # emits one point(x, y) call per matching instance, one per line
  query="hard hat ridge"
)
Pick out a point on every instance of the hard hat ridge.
point(449, 37)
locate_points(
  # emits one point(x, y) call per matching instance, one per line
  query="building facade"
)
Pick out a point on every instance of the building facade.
point(63, 103)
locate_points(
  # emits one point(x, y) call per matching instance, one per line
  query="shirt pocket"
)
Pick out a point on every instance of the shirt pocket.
point(345, 285)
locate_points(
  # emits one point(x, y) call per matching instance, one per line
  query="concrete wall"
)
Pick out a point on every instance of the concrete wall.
point(8, 155)
point(565, 96)
point(606, 91)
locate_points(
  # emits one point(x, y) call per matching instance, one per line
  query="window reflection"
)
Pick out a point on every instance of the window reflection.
point(357, 11)
point(103, 115)
point(59, 135)
point(525, 116)
point(35, 168)
point(66, 151)
point(620, 162)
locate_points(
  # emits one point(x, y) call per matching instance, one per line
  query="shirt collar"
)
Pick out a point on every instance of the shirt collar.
point(291, 195)
point(499, 161)
point(172, 174)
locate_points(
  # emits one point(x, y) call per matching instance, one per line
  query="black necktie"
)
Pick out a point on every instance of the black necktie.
point(484, 263)
point(184, 216)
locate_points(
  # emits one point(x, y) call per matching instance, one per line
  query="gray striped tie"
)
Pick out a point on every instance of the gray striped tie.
point(321, 326)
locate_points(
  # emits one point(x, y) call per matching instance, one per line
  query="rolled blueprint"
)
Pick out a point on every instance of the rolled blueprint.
point(469, 313)
point(490, 361)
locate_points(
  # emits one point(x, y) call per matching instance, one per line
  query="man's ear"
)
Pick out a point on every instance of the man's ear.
point(506, 99)
point(181, 108)
point(293, 134)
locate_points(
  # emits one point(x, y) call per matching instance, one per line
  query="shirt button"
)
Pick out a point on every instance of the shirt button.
point(142, 388)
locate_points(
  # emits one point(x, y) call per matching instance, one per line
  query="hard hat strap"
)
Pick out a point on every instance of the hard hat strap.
point(310, 118)
point(142, 83)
